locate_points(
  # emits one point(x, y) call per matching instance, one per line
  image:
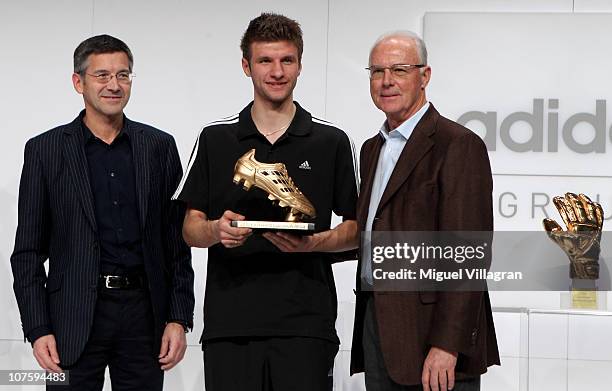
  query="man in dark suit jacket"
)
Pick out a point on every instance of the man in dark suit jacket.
point(94, 200)
point(423, 172)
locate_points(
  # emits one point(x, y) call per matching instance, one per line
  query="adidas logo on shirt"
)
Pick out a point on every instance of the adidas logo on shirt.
point(305, 165)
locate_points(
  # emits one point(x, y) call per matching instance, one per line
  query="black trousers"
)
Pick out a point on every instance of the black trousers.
point(269, 364)
point(376, 376)
point(122, 339)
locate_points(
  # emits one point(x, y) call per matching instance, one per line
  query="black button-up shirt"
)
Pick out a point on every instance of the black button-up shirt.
point(113, 185)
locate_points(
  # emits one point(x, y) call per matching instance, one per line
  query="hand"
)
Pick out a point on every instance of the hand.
point(173, 346)
point(581, 242)
point(226, 234)
point(439, 370)
point(291, 243)
point(45, 352)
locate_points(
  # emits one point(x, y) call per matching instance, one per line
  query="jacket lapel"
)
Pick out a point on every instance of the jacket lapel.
point(415, 149)
point(373, 152)
point(140, 156)
point(74, 154)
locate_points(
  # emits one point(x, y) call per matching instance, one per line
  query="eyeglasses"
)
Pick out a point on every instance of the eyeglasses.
point(397, 70)
point(105, 77)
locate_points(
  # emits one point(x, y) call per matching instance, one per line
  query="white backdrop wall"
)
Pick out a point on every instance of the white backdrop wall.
point(486, 55)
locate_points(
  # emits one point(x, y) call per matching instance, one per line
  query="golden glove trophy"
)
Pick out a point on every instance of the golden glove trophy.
point(276, 182)
point(581, 242)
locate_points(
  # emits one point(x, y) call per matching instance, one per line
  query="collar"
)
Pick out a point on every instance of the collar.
point(301, 125)
point(88, 134)
point(407, 127)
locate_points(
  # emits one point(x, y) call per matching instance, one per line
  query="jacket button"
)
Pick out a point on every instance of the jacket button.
point(375, 222)
point(474, 336)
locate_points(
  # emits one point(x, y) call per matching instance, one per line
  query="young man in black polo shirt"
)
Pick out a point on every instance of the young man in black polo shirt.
point(270, 303)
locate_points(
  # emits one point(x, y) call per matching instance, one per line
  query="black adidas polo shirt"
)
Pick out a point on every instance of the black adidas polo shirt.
point(254, 289)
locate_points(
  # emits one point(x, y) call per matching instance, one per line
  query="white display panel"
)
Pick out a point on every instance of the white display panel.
point(537, 86)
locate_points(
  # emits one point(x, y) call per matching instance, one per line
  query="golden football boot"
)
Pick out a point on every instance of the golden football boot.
point(274, 180)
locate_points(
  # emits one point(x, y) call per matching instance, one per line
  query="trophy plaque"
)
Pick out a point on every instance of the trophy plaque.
point(581, 243)
point(274, 180)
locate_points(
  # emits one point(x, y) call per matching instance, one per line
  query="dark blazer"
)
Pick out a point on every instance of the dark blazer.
point(441, 182)
point(56, 222)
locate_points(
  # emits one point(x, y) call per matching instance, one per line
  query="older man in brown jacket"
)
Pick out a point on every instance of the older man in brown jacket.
point(422, 172)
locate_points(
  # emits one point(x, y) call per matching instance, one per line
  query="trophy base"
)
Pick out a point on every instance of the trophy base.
point(583, 295)
point(584, 300)
point(294, 227)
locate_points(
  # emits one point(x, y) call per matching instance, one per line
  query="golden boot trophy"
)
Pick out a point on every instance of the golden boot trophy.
point(276, 182)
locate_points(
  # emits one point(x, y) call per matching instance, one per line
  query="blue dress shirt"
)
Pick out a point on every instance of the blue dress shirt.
point(394, 142)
